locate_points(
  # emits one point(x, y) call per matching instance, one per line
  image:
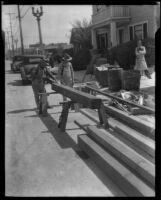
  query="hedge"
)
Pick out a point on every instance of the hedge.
point(124, 54)
point(81, 59)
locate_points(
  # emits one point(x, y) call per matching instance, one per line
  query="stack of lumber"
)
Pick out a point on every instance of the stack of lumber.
point(125, 152)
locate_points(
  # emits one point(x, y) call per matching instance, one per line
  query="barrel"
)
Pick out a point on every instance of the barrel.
point(114, 79)
point(101, 61)
point(102, 77)
point(131, 80)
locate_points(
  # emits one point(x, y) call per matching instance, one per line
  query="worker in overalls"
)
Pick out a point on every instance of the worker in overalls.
point(65, 72)
point(38, 76)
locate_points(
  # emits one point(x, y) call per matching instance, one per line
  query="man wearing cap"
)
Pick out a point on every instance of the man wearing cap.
point(38, 76)
point(65, 72)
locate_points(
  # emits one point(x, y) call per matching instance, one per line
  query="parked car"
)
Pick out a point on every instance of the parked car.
point(16, 62)
point(29, 61)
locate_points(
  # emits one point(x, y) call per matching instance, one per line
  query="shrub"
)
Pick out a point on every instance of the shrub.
point(124, 54)
point(81, 59)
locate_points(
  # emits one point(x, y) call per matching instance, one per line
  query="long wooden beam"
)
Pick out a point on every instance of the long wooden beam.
point(142, 144)
point(86, 99)
point(122, 100)
point(121, 175)
point(122, 152)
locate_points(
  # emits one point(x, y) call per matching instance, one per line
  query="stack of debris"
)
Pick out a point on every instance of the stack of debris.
point(135, 97)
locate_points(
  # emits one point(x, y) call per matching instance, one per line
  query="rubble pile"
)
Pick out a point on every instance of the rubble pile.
point(133, 96)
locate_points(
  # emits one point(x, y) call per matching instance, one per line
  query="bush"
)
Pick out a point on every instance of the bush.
point(124, 54)
point(81, 60)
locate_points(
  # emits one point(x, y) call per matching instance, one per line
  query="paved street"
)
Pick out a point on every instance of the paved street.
point(39, 159)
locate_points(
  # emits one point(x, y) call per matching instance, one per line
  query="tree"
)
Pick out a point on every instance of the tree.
point(81, 34)
point(81, 40)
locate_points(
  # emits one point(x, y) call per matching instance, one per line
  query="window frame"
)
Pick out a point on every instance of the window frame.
point(133, 27)
point(118, 39)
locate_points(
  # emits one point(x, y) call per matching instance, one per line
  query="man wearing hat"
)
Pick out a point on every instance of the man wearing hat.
point(65, 72)
point(38, 75)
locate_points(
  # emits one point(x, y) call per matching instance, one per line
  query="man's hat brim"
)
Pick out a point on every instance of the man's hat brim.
point(67, 59)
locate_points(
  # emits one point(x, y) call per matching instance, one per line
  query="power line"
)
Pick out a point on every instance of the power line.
point(16, 31)
point(15, 22)
point(21, 8)
point(26, 12)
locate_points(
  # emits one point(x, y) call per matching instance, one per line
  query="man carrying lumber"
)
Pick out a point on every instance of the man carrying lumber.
point(38, 75)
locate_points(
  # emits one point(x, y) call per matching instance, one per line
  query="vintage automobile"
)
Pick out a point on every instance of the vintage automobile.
point(29, 62)
point(16, 62)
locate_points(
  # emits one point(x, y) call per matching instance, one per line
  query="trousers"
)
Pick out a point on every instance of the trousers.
point(38, 87)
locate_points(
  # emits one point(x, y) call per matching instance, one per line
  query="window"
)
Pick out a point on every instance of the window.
point(120, 36)
point(139, 31)
point(145, 30)
point(131, 32)
point(34, 60)
point(102, 41)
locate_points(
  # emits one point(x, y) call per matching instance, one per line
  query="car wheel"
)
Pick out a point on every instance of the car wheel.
point(24, 82)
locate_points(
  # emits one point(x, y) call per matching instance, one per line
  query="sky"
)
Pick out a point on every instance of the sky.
point(56, 22)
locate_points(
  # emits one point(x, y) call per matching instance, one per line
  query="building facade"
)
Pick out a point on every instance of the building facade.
point(116, 24)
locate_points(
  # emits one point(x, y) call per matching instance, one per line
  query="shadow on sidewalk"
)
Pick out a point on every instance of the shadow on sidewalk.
point(10, 72)
point(17, 83)
point(65, 141)
point(20, 111)
point(30, 109)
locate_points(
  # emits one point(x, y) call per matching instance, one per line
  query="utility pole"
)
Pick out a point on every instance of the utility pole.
point(11, 32)
point(38, 14)
point(16, 40)
point(8, 39)
point(20, 26)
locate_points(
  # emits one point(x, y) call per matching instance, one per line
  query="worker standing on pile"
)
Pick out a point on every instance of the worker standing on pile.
point(141, 65)
point(65, 72)
point(38, 75)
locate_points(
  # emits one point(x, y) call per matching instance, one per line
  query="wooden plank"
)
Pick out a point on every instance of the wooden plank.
point(78, 96)
point(137, 141)
point(134, 122)
point(43, 104)
point(103, 117)
point(122, 100)
point(134, 145)
point(123, 153)
point(138, 111)
point(64, 116)
point(143, 142)
point(123, 177)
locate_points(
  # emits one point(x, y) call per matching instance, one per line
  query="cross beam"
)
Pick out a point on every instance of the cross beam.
point(76, 96)
point(80, 97)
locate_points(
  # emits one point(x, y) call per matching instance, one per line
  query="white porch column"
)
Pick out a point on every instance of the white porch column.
point(94, 42)
point(113, 34)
